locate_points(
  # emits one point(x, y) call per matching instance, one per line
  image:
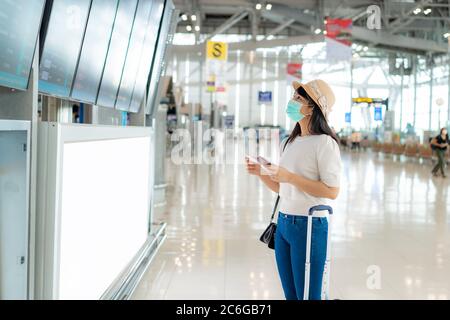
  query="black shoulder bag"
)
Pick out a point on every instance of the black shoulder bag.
point(268, 236)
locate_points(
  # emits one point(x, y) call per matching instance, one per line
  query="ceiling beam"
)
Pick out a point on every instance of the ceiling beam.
point(250, 45)
point(235, 18)
point(269, 15)
point(280, 28)
point(400, 22)
point(397, 41)
point(384, 39)
point(374, 37)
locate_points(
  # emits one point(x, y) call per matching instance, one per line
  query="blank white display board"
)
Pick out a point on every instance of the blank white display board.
point(94, 212)
point(104, 213)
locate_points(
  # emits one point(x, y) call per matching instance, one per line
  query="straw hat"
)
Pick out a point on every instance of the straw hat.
point(320, 92)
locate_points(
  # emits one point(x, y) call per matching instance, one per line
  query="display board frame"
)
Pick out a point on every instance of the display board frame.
point(52, 137)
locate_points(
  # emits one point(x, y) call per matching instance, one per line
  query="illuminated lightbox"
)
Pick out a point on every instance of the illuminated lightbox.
point(98, 219)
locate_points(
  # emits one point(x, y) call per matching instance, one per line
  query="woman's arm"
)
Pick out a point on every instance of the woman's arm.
point(255, 169)
point(311, 187)
point(272, 185)
point(314, 188)
point(434, 142)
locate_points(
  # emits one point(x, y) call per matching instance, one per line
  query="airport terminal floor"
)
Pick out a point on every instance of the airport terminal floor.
point(390, 237)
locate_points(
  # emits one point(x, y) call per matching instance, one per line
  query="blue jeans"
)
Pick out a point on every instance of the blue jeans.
point(290, 253)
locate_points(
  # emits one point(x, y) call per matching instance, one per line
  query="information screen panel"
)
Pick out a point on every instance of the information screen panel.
point(62, 46)
point(157, 66)
point(19, 26)
point(133, 55)
point(117, 53)
point(148, 53)
point(94, 50)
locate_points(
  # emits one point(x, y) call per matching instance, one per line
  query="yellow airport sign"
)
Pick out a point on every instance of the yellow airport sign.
point(362, 99)
point(217, 50)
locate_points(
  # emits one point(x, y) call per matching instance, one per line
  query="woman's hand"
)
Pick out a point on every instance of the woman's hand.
point(253, 168)
point(279, 174)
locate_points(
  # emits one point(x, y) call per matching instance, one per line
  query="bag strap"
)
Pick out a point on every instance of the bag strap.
point(275, 207)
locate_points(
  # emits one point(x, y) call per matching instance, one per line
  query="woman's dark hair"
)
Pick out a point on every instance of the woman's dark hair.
point(317, 125)
point(446, 136)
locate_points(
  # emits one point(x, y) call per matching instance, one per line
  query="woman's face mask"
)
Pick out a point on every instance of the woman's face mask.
point(293, 110)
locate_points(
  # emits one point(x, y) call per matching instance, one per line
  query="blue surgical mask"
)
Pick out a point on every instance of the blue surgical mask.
point(293, 110)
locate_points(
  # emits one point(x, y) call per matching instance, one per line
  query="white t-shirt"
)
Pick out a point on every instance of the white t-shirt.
point(315, 157)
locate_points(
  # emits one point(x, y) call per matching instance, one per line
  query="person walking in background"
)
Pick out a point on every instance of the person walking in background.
point(356, 140)
point(440, 143)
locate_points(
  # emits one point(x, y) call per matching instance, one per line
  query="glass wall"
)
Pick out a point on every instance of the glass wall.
point(248, 72)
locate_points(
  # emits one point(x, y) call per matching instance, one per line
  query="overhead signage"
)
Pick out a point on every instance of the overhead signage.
point(378, 115)
point(265, 96)
point(337, 38)
point(348, 117)
point(217, 50)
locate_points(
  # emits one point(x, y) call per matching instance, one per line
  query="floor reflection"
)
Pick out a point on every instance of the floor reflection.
point(390, 234)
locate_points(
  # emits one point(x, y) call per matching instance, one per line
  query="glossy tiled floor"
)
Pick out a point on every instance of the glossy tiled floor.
point(391, 235)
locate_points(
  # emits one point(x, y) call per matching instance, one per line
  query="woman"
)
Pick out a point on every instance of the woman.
point(440, 143)
point(308, 175)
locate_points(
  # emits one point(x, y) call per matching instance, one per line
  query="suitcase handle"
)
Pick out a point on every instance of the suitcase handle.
point(320, 207)
point(308, 252)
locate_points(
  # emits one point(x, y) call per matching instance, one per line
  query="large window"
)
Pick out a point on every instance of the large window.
point(265, 69)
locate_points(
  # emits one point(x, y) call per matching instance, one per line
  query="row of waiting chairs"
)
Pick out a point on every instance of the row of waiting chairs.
point(410, 150)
